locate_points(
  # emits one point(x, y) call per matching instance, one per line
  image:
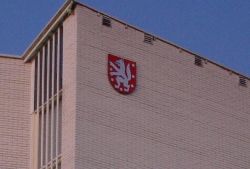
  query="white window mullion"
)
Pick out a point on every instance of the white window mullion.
point(38, 111)
point(47, 108)
point(52, 99)
point(42, 120)
point(57, 94)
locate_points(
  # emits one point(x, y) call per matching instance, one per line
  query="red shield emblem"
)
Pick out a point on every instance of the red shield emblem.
point(122, 74)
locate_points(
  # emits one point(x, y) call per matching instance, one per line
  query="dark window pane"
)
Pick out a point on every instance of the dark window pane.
point(61, 59)
point(45, 73)
point(40, 77)
point(35, 85)
point(50, 69)
point(55, 63)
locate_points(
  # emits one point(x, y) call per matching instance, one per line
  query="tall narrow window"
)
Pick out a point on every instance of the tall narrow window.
point(45, 73)
point(50, 67)
point(40, 78)
point(55, 62)
point(35, 84)
point(48, 102)
point(61, 59)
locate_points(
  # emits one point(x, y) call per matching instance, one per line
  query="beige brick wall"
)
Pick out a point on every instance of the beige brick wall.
point(180, 116)
point(15, 117)
point(69, 93)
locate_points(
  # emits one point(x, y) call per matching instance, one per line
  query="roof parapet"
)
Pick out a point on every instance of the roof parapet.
point(164, 41)
point(67, 8)
point(10, 56)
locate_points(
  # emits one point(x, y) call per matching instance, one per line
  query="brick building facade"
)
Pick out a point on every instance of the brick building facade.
point(59, 109)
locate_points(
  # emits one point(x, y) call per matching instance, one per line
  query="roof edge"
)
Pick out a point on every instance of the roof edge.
point(165, 41)
point(8, 56)
point(65, 11)
point(52, 24)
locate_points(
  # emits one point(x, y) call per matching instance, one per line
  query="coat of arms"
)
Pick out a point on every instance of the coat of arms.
point(122, 74)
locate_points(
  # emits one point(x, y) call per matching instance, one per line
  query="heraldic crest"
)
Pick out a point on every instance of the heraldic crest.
point(122, 74)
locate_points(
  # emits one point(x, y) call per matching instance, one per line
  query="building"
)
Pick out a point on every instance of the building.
point(59, 109)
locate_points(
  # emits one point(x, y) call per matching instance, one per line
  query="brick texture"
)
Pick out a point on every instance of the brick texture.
point(69, 93)
point(15, 118)
point(180, 116)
